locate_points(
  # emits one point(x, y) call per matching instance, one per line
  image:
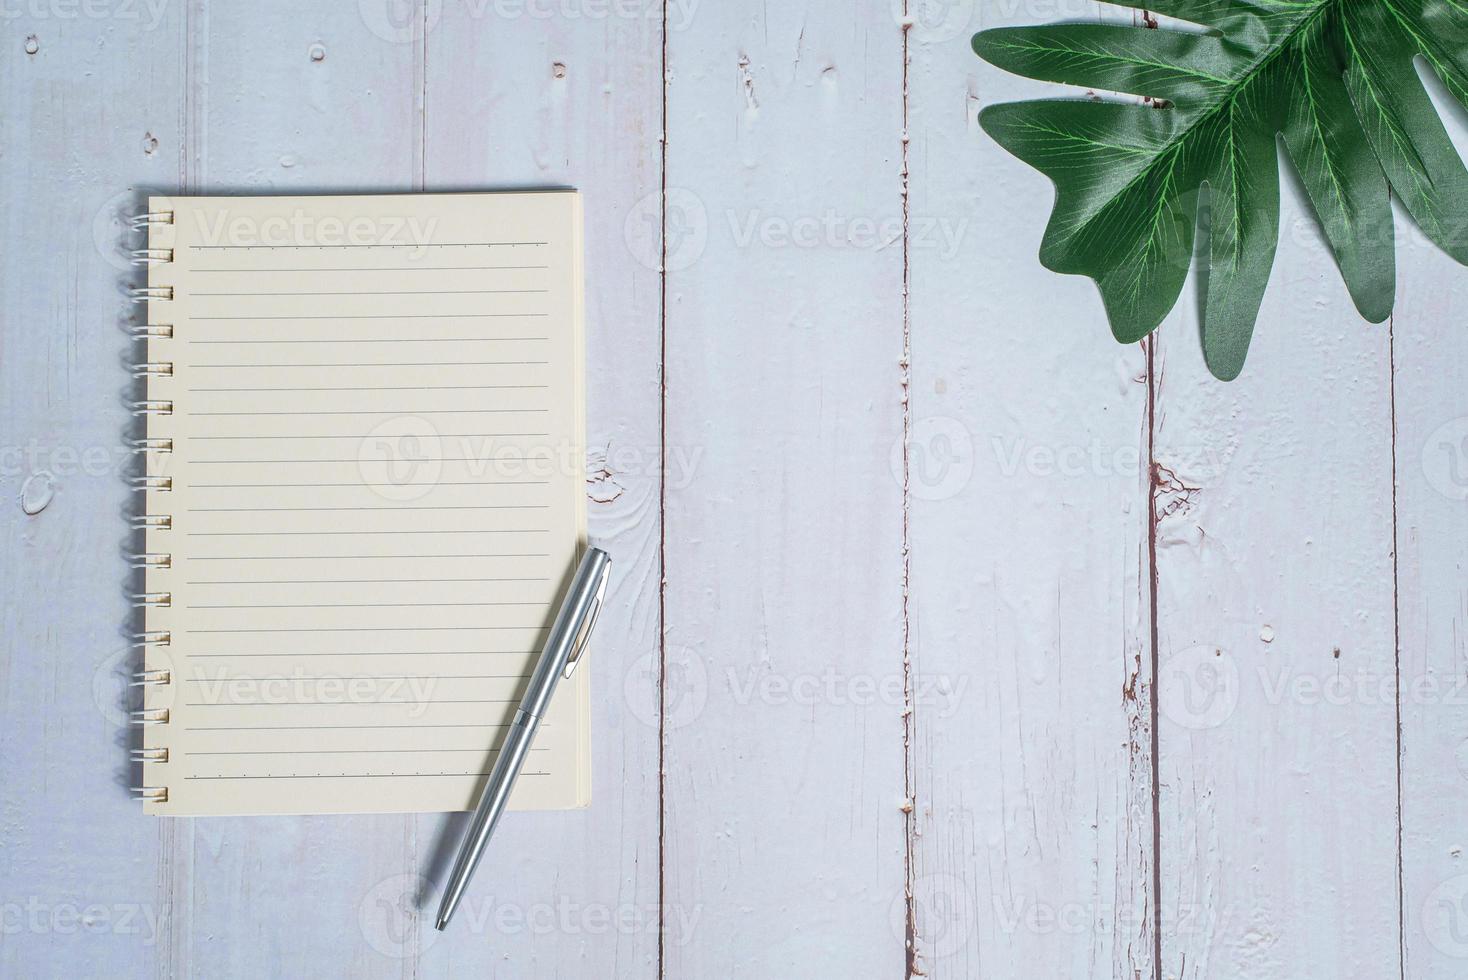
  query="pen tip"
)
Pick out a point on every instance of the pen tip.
point(442, 921)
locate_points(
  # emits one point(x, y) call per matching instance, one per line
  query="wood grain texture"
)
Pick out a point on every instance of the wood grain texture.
point(883, 528)
point(78, 859)
point(783, 762)
point(1431, 380)
point(1029, 598)
point(1430, 385)
point(1277, 755)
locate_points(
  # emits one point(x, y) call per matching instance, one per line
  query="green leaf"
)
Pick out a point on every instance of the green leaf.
point(1136, 182)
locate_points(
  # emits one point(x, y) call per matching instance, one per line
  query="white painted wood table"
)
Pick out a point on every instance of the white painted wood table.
point(950, 638)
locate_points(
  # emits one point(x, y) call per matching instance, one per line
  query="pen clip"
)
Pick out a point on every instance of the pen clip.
point(583, 635)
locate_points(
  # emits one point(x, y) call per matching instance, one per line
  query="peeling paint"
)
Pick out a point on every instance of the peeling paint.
point(37, 492)
point(602, 486)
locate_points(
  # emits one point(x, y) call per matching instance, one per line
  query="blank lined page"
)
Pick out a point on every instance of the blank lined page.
point(377, 496)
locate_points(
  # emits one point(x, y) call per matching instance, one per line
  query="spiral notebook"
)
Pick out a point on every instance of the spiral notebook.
point(364, 496)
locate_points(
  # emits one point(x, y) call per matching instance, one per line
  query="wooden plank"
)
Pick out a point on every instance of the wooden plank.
point(77, 876)
point(1029, 583)
point(784, 758)
point(1273, 539)
point(1430, 384)
point(285, 99)
point(522, 101)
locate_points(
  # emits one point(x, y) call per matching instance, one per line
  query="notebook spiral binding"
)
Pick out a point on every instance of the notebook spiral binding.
point(151, 559)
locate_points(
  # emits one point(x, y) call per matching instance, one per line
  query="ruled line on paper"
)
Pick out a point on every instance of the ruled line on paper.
point(365, 435)
point(295, 510)
point(375, 316)
point(370, 677)
point(374, 292)
point(293, 728)
point(361, 605)
point(375, 653)
point(480, 749)
point(362, 483)
point(342, 704)
point(385, 268)
point(365, 629)
point(340, 557)
point(372, 364)
point(375, 340)
point(376, 411)
point(269, 534)
point(374, 245)
point(363, 775)
point(357, 581)
point(384, 388)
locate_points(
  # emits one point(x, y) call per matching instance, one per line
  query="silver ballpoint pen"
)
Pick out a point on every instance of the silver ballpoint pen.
point(564, 646)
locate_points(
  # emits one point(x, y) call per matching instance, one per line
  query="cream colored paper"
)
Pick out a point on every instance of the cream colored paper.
point(377, 496)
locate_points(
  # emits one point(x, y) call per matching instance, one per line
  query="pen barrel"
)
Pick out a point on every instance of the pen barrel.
point(512, 754)
point(564, 645)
